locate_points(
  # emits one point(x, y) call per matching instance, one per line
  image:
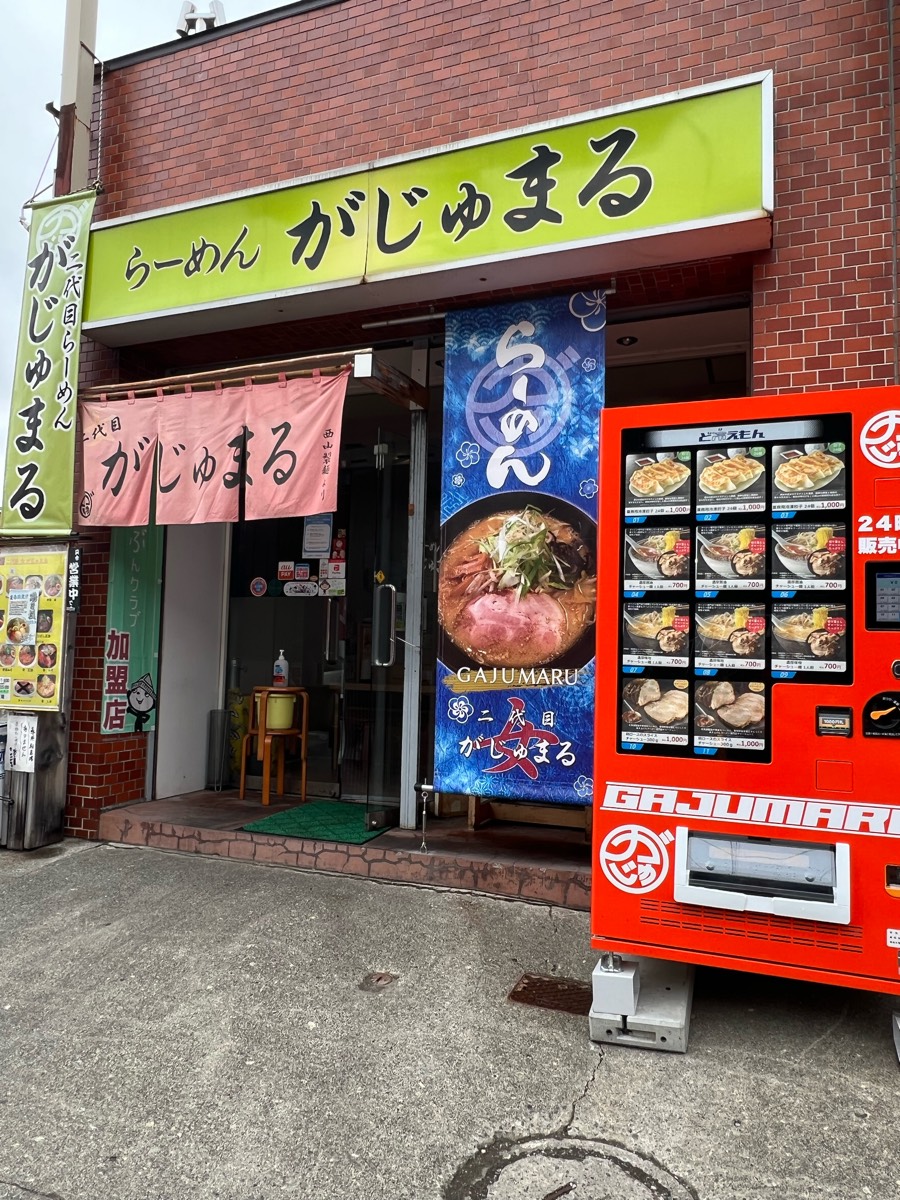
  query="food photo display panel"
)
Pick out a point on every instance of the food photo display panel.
point(654, 713)
point(730, 636)
point(808, 557)
point(730, 558)
point(731, 717)
point(658, 484)
point(655, 635)
point(731, 480)
point(657, 558)
point(808, 475)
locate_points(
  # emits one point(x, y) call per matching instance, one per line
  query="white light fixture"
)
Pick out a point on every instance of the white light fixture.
point(628, 340)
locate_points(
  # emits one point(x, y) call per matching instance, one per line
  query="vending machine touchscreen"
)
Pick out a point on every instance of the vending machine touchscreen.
point(748, 633)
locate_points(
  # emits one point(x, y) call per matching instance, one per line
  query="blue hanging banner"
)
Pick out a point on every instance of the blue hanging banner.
point(523, 389)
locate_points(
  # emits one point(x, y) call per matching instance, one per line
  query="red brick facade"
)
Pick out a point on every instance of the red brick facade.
point(363, 80)
point(366, 79)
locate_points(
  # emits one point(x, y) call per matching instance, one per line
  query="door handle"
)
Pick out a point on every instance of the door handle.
point(384, 641)
point(329, 632)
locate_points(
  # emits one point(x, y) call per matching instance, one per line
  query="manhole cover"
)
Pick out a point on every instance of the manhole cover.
point(555, 1168)
point(562, 995)
point(376, 981)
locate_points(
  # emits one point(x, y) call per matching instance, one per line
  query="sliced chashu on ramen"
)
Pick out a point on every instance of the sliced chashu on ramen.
point(517, 589)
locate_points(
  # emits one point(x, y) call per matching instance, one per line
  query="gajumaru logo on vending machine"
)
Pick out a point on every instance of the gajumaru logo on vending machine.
point(879, 439)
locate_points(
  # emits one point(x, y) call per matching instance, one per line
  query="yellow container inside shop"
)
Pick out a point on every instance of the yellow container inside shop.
point(279, 711)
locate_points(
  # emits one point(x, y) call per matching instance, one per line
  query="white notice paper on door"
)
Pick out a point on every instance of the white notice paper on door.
point(21, 740)
point(317, 535)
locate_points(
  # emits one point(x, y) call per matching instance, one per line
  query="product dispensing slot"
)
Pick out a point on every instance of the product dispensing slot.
point(792, 879)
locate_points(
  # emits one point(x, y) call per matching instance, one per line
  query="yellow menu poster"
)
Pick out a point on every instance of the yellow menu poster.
point(32, 627)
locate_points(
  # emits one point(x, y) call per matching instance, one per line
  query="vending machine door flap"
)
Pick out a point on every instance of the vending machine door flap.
point(809, 880)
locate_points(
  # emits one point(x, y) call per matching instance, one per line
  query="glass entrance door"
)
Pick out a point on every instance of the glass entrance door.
point(340, 619)
point(375, 702)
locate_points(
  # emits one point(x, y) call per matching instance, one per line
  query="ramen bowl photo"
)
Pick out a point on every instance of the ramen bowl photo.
point(26, 655)
point(729, 555)
point(810, 554)
point(17, 629)
point(46, 686)
point(47, 655)
point(655, 556)
point(807, 633)
point(517, 584)
point(655, 632)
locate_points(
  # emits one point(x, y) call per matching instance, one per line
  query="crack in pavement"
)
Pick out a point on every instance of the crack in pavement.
point(30, 1191)
point(565, 1128)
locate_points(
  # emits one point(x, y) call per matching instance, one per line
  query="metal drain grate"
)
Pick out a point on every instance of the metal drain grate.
point(547, 991)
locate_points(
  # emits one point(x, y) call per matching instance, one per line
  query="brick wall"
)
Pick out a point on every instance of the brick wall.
point(104, 769)
point(370, 78)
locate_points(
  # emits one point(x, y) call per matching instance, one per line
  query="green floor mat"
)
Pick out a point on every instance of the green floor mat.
point(324, 820)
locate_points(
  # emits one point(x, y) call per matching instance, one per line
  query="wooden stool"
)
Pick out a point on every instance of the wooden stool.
point(269, 741)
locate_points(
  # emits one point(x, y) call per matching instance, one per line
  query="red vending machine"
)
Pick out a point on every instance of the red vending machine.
point(747, 751)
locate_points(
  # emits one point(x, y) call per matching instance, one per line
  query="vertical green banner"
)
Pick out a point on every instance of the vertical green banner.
point(131, 653)
point(40, 453)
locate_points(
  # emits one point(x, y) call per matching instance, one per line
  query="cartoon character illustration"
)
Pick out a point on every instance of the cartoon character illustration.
point(141, 701)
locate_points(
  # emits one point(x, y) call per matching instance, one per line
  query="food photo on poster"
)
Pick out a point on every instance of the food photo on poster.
point(809, 637)
point(32, 603)
point(517, 578)
point(518, 587)
point(658, 484)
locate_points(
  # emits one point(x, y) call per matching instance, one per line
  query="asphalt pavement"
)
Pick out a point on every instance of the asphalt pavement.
point(190, 1028)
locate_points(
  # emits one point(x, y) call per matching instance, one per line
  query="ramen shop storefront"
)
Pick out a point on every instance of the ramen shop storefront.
point(431, 579)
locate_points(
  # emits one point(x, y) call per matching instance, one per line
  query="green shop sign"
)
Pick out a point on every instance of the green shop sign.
point(40, 448)
point(687, 162)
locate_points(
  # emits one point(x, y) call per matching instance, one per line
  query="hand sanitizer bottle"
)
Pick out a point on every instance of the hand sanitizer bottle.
point(280, 671)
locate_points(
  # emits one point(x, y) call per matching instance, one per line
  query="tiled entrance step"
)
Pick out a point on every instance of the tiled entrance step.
point(543, 865)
